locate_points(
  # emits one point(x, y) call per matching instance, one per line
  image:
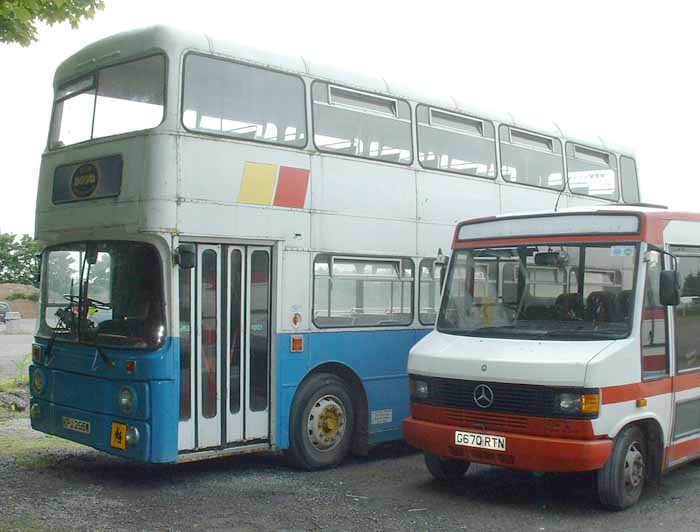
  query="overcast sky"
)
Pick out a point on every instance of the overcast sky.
point(627, 71)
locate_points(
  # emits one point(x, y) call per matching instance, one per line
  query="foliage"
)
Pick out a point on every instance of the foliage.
point(18, 18)
point(29, 296)
point(18, 261)
point(21, 378)
point(691, 284)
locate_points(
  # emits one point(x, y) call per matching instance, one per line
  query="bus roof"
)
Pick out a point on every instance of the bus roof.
point(176, 43)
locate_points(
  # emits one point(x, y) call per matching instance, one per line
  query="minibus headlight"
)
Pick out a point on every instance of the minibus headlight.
point(125, 399)
point(587, 404)
point(419, 389)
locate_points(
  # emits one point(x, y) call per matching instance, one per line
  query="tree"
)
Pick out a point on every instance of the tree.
point(18, 262)
point(18, 18)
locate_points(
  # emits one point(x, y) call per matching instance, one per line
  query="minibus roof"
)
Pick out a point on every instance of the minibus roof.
point(600, 223)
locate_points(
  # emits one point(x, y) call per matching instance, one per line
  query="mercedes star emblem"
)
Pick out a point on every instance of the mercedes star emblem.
point(483, 396)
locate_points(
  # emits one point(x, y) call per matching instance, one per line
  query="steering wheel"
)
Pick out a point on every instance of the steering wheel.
point(88, 301)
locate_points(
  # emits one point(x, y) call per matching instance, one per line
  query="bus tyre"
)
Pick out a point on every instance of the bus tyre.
point(444, 469)
point(621, 481)
point(322, 423)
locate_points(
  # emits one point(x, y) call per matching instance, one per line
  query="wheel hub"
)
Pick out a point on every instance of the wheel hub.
point(634, 466)
point(326, 423)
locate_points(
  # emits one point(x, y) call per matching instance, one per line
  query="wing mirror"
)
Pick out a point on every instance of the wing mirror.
point(669, 288)
point(186, 256)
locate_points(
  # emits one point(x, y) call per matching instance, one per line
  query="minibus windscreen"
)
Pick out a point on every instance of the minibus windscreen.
point(562, 291)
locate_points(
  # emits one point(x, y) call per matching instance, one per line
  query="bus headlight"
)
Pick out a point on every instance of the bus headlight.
point(587, 404)
point(419, 389)
point(125, 400)
point(38, 381)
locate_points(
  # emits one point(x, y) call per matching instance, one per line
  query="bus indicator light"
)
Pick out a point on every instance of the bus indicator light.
point(590, 403)
point(130, 367)
point(296, 319)
point(297, 344)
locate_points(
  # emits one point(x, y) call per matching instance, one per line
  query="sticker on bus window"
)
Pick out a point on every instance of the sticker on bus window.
point(622, 251)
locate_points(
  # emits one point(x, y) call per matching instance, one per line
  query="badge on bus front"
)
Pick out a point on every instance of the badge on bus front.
point(118, 438)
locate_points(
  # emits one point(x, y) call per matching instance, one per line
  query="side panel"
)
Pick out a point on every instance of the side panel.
point(379, 358)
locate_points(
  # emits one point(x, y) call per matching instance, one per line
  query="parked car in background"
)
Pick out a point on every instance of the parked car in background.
point(4, 309)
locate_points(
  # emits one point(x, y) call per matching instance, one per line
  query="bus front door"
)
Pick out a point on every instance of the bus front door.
point(225, 347)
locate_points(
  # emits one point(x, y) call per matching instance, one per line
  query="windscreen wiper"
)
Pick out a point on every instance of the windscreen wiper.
point(99, 351)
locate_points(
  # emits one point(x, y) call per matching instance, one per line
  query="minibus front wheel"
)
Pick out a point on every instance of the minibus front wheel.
point(444, 469)
point(621, 481)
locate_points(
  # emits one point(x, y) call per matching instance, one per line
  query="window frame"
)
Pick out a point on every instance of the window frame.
point(329, 84)
point(641, 321)
point(418, 282)
point(457, 132)
point(636, 178)
point(382, 258)
point(226, 59)
point(618, 181)
point(532, 148)
point(678, 255)
point(95, 86)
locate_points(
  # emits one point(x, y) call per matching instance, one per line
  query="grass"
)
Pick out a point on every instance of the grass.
point(21, 378)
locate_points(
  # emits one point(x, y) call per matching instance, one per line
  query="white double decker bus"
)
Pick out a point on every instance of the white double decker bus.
point(239, 246)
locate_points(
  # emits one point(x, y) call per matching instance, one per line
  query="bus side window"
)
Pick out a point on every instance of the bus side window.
point(687, 313)
point(628, 174)
point(654, 348)
point(361, 124)
point(428, 291)
point(362, 292)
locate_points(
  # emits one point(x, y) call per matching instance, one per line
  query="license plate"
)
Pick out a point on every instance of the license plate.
point(482, 441)
point(118, 438)
point(76, 425)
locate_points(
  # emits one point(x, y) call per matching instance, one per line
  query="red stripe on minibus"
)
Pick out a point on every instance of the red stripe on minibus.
point(686, 382)
point(637, 390)
point(681, 450)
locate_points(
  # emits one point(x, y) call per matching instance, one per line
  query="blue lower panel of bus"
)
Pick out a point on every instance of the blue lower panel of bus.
point(79, 399)
point(378, 358)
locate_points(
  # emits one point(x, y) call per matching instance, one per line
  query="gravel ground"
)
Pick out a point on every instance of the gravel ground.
point(48, 484)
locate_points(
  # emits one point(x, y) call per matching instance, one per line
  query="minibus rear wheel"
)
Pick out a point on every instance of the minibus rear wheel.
point(621, 481)
point(444, 469)
point(322, 422)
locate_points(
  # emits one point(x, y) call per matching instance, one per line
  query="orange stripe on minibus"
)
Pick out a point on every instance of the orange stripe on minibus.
point(686, 382)
point(637, 390)
point(681, 450)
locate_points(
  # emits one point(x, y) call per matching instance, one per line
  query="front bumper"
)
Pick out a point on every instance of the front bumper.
point(51, 421)
point(532, 453)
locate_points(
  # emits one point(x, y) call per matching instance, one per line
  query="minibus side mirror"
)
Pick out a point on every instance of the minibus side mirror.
point(669, 288)
point(185, 256)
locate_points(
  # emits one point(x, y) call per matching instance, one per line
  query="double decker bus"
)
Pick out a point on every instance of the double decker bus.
point(239, 246)
point(565, 342)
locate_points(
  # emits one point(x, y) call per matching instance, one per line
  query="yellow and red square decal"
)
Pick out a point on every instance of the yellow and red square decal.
point(268, 184)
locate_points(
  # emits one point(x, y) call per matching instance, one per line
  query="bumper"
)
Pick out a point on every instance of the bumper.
point(532, 453)
point(98, 436)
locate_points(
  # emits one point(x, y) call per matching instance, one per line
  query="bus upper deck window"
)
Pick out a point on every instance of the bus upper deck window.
point(591, 172)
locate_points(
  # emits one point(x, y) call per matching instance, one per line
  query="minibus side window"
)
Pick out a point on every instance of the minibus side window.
point(687, 314)
point(654, 348)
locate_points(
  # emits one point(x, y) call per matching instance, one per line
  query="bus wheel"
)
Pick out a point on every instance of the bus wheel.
point(322, 423)
point(621, 481)
point(444, 469)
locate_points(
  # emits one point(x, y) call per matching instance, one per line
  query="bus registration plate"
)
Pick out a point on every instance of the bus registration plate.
point(482, 441)
point(76, 425)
